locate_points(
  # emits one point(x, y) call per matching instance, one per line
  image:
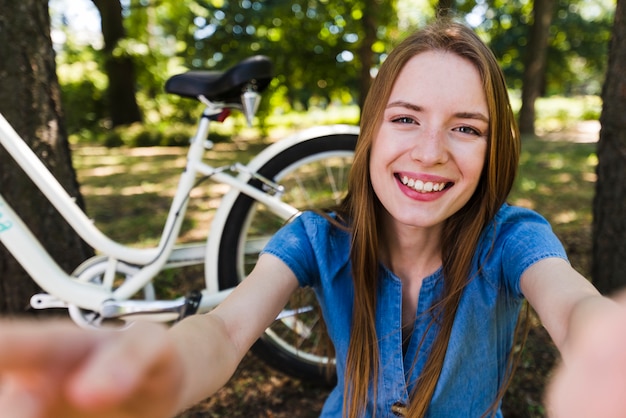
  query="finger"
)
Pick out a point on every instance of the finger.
point(120, 366)
point(40, 344)
point(19, 401)
point(21, 404)
point(592, 380)
point(582, 392)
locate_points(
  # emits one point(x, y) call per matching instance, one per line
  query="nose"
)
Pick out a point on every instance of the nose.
point(430, 148)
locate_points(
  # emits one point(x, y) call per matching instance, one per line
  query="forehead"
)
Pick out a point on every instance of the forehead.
point(440, 75)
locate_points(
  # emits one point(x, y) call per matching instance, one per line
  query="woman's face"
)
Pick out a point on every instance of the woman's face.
point(429, 152)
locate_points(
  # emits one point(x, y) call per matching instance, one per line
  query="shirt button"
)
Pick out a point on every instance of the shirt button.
point(399, 409)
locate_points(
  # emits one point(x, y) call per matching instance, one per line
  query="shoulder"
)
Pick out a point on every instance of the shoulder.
point(515, 239)
point(310, 244)
point(515, 216)
point(516, 222)
point(317, 226)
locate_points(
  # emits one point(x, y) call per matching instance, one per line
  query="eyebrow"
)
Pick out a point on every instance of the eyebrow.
point(417, 108)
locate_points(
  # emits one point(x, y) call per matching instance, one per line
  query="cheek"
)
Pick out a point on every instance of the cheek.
point(377, 156)
point(474, 161)
point(377, 168)
point(385, 149)
point(477, 168)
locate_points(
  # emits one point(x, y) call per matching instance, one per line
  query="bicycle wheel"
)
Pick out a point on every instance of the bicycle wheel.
point(314, 173)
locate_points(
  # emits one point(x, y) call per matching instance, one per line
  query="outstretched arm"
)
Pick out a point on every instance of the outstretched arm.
point(239, 321)
point(592, 382)
point(590, 332)
point(564, 300)
point(54, 369)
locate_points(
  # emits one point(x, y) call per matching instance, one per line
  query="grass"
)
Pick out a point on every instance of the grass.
point(557, 179)
point(128, 191)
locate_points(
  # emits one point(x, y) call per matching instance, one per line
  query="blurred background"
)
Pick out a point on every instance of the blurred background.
point(113, 57)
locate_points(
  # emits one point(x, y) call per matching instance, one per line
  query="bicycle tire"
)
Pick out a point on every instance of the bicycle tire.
point(292, 346)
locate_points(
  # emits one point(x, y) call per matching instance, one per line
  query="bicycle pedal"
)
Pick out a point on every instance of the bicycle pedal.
point(46, 301)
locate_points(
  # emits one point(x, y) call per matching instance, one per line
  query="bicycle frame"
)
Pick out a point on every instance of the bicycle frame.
point(29, 252)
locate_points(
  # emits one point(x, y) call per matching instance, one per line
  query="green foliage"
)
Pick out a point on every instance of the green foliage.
point(141, 135)
point(578, 42)
point(83, 86)
point(315, 46)
point(112, 139)
point(578, 52)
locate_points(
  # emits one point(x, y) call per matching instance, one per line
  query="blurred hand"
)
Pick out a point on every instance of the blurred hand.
point(54, 369)
point(591, 381)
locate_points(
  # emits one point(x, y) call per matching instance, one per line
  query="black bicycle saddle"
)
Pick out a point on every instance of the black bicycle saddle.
point(223, 86)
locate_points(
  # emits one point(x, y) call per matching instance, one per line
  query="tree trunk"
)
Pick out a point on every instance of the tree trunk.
point(609, 206)
point(120, 69)
point(535, 65)
point(30, 101)
point(366, 55)
point(445, 7)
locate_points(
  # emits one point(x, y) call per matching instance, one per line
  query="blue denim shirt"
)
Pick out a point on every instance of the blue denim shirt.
point(482, 335)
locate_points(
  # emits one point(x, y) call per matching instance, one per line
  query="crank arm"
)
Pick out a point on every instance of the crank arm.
point(46, 301)
point(182, 307)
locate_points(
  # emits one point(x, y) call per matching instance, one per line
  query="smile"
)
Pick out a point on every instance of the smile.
point(421, 186)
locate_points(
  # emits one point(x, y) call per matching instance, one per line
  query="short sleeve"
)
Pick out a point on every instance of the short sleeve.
point(527, 238)
point(292, 245)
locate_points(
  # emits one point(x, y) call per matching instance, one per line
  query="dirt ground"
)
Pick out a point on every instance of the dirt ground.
point(259, 391)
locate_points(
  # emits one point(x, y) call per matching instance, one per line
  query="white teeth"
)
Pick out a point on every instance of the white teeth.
point(423, 187)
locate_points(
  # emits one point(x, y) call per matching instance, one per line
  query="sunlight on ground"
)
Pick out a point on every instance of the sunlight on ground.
point(587, 131)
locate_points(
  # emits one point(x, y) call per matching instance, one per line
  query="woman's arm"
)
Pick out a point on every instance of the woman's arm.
point(214, 344)
point(565, 301)
point(590, 332)
point(54, 369)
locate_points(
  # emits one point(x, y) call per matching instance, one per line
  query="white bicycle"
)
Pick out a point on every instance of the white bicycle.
point(305, 171)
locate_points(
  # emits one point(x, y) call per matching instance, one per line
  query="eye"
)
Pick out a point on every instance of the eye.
point(468, 130)
point(403, 120)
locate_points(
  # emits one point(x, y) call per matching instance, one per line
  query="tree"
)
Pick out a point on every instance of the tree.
point(609, 206)
point(445, 7)
point(29, 100)
point(119, 66)
point(535, 63)
point(321, 50)
point(373, 18)
point(578, 37)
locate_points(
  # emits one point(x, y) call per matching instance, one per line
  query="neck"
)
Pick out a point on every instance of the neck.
point(410, 252)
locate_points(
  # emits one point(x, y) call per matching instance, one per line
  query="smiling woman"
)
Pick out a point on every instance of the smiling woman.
point(433, 134)
point(432, 279)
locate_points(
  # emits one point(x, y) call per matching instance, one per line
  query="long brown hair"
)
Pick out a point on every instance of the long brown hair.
point(461, 232)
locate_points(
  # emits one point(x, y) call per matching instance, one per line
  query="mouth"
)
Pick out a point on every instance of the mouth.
point(421, 186)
